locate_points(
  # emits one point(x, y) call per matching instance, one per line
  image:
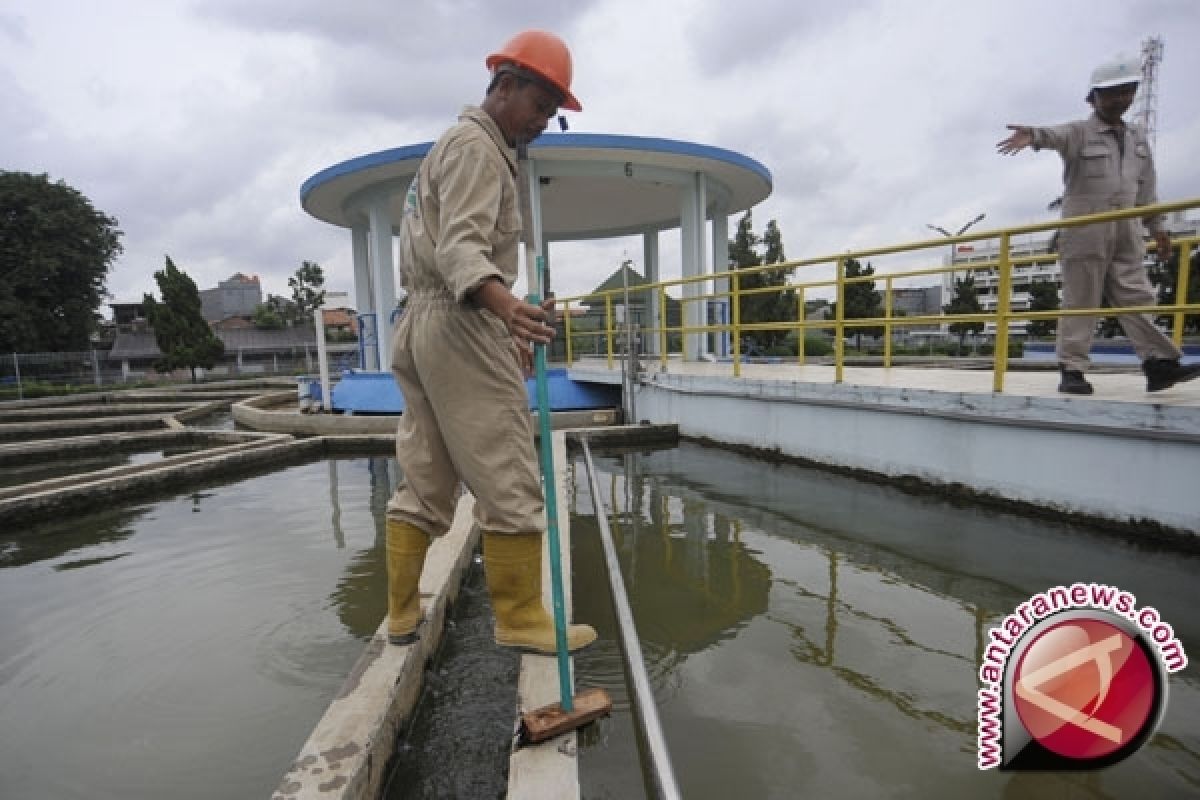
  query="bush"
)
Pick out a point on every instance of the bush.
point(817, 345)
point(1016, 348)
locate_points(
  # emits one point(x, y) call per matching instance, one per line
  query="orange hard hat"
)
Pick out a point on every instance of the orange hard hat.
point(543, 54)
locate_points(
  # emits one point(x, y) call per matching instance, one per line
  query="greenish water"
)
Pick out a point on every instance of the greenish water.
point(185, 648)
point(216, 421)
point(812, 636)
point(806, 635)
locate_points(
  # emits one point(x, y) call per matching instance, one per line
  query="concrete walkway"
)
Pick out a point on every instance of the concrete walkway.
point(1111, 386)
point(347, 755)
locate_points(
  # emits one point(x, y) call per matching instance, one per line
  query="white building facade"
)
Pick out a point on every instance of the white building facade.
point(1045, 267)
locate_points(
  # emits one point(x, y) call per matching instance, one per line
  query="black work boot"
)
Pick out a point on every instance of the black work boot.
point(1163, 373)
point(1073, 382)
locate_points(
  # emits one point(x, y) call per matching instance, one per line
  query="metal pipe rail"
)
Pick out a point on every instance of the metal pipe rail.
point(1003, 264)
point(643, 697)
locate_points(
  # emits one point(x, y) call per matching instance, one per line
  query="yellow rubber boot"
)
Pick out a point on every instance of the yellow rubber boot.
point(513, 564)
point(406, 547)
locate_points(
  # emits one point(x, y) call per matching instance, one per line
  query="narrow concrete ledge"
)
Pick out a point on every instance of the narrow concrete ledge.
point(276, 412)
point(627, 436)
point(53, 413)
point(69, 483)
point(550, 769)
point(347, 755)
point(44, 450)
point(357, 444)
point(176, 393)
point(87, 492)
point(29, 431)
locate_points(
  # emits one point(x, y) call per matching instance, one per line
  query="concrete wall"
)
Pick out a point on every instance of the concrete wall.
point(1117, 462)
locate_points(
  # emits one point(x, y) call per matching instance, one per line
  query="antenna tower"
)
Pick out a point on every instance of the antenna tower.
point(1147, 108)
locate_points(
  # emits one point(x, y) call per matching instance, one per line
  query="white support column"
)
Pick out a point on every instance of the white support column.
point(364, 296)
point(322, 361)
point(657, 315)
point(383, 275)
point(720, 263)
point(534, 230)
point(691, 227)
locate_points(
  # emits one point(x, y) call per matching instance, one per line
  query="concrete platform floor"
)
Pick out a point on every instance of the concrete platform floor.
point(1123, 386)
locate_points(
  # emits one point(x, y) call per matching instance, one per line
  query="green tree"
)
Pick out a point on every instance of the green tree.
point(266, 318)
point(180, 329)
point(965, 301)
point(307, 294)
point(862, 301)
point(55, 252)
point(1043, 296)
point(778, 306)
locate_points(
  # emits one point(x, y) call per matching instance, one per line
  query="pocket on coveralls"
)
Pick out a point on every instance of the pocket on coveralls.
point(1095, 160)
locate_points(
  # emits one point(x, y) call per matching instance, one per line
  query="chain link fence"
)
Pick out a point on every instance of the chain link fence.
point(26, 375)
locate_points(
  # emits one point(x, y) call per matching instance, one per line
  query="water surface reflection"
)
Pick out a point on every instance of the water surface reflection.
point(813, 636)
point(185, 647)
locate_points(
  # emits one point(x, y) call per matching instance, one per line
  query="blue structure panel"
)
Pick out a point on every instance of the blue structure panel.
point(569, 395)
point(360, 392)
point(367, 393)
point(1105, 352)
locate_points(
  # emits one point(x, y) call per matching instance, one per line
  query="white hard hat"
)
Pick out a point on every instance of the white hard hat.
point(1117, 72)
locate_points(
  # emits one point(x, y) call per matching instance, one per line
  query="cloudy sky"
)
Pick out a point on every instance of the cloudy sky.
point(194, 122)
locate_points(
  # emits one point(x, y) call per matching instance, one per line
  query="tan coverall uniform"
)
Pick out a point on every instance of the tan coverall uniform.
point(1105, 168)
point(466, 415)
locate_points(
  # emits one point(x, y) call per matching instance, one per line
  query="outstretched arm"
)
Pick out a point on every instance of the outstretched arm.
point(1021, 137)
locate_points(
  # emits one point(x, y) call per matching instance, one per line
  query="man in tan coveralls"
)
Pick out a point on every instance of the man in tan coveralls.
point(1107, 165)
point(459, 350)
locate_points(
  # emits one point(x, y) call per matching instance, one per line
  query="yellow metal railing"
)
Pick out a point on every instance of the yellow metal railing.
point(1002, 316)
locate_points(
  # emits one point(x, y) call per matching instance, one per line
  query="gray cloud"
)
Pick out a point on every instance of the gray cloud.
point(13, 27)
point(196, 125)
point(731, 36)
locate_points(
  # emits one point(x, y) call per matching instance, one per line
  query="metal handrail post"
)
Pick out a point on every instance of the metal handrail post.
point(608, 327)
point(1181, 287)
point(662, 321)
point(736, 316)
point(839, 340)
point(1003, 308)
point(567, 328)
point(887, 326)
point(800, 330)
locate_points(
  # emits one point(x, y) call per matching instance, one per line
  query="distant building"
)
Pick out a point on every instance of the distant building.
point(247, 351)
point(639, 312)
point(1041, 250)
point(920, 301)
point(129, 317)
point(236, 297)
point(639, 299)
point(233, 324)
point(341, 320)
